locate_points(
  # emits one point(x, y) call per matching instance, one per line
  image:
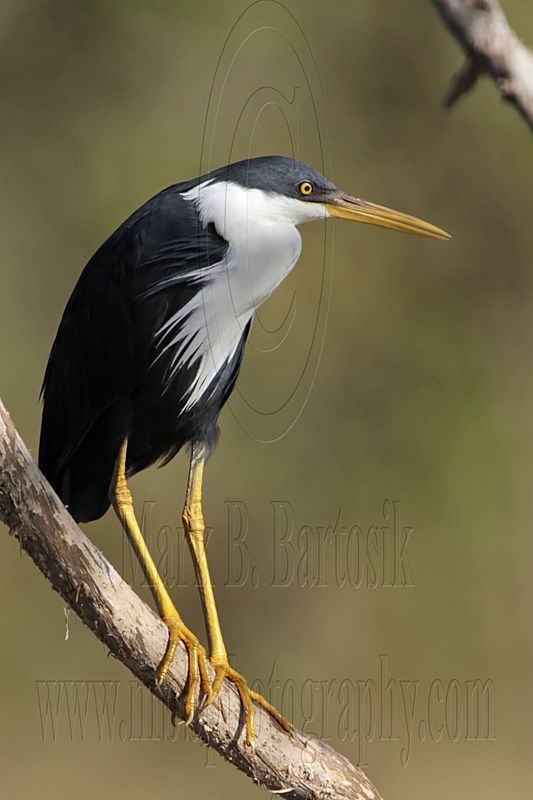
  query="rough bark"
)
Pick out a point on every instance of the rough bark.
point(491, 48)
point(296, 765)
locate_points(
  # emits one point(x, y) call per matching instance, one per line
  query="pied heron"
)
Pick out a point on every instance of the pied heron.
point(149, 349)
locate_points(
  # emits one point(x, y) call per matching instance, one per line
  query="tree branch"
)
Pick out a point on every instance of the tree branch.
point(491, 48)
point(297, 765)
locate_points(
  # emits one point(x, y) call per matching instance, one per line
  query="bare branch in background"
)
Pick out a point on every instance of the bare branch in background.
point(297, 765)
point(492, 49)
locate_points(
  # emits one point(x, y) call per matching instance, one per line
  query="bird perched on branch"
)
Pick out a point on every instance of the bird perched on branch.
point(149, 349)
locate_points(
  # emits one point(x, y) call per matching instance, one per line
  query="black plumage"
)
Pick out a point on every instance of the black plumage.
point(116, 373)
point(149, 349)
point(106, 378)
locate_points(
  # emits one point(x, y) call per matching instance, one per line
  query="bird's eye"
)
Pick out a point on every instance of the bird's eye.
point(306, 188)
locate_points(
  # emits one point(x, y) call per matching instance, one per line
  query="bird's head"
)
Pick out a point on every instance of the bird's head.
point(281, 189)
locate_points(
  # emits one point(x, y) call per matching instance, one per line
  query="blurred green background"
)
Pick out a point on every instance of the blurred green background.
point(416, 388)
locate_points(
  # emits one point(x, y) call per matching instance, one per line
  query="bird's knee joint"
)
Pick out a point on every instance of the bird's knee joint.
point(193, 520)
point(119, 494)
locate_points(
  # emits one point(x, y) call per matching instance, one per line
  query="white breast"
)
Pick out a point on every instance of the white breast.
point(264, 245)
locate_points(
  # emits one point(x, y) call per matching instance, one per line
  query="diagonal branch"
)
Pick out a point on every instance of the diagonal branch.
point(298, 765)
point(491, 48)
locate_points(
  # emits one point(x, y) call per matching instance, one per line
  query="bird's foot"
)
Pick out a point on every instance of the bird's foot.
point(248, 697)
point(198, 672)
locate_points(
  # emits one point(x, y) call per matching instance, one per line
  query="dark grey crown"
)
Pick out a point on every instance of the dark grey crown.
point(278, 174)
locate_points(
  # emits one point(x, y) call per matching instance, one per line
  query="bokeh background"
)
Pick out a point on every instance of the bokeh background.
point(416, 386)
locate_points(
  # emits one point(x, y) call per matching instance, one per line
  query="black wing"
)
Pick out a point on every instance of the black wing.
point(102, 350)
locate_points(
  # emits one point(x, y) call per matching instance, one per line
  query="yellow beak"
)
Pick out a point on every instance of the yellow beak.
point(346, 207)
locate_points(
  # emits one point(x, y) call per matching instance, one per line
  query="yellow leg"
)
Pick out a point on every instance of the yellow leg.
point(122, 502)
point(193, 522)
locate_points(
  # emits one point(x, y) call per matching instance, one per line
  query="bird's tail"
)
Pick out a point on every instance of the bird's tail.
point(87, 500)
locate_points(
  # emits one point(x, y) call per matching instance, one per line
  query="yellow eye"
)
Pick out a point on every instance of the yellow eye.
point(306, 188)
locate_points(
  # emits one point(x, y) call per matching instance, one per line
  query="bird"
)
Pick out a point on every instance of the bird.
point(148, 351)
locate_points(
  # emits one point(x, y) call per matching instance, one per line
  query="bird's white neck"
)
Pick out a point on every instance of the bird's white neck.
point(263, 246)
point(260, 228)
